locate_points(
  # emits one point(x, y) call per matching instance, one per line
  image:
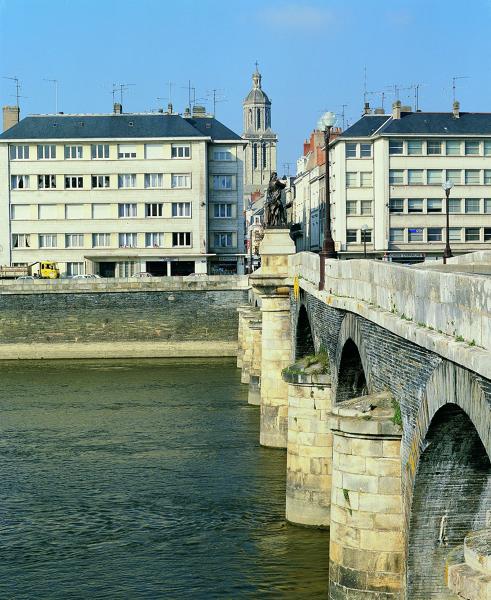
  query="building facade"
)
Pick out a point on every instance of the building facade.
point(119, 194)
point(387, 172)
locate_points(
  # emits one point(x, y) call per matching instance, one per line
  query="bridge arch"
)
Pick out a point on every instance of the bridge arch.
point(351, 361)
point(447, 476)
point(304, 340)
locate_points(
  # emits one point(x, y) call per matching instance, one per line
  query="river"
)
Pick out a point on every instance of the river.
point(144, 479)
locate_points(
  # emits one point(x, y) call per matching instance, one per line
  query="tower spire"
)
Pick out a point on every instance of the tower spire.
point(256, 77)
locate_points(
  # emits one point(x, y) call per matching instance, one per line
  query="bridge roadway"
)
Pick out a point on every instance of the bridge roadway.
point(387, 424)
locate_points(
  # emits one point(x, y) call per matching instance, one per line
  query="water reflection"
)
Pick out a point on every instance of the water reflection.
point(144, 479)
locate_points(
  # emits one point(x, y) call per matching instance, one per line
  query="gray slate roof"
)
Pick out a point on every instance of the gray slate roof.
point(421, 123)
point(117, 126)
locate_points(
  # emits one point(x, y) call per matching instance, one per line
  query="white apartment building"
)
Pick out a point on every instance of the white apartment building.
point(118, 194)
point(386, 181)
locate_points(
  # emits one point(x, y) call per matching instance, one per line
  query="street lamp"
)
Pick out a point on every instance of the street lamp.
point(447, 253)
point(328, 250)
point(364, 235)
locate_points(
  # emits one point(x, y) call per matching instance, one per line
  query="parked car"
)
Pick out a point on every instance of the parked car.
point(26, 278)
point(142, 275)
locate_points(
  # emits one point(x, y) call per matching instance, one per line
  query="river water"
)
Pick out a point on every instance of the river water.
point(144, 479)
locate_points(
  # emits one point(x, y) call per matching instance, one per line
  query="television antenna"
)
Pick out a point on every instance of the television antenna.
point(55, 81)
point(217, 97)
point(17, 88)
point(123, 87)
point(454, 79)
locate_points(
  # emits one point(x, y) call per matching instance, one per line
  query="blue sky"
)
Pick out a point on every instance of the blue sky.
point(312, 55)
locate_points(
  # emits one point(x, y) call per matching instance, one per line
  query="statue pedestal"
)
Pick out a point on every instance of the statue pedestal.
point(274, 249)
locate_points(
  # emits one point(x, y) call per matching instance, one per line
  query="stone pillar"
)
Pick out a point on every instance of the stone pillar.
point(366, 545)
point(243, 311)
point(309, 450)
point(254, 396)
point(275, 356)
point(249, 318)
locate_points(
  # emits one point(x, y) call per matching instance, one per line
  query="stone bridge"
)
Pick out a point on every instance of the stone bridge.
point(379, 387)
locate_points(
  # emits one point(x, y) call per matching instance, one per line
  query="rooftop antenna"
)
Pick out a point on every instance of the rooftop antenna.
point(217, 97)
point(55, 81)
point(17, 88)
point(454, 79)
point(123, 87)
point(343, 106)
point(286, 168)
point(416, 87)
point(365, 93)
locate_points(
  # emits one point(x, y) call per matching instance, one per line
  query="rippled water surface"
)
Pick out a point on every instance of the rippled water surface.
point(144, 479)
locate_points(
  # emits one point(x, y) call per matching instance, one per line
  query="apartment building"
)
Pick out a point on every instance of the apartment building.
point(387, 172)
point(117, 194)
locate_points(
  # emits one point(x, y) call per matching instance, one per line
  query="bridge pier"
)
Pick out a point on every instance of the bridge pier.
point(366, 545)
point(254, 394)
point(249, 319)
point(242, 311)
point(309, 449)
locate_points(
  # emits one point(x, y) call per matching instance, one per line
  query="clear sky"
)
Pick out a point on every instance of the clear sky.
point(312, 55)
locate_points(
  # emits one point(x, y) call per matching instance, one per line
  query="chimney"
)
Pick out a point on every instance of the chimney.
point(11, 116)
point(187, 112)
point(456, 109)
point(366, 109)
point(199, 111)
point(379, 111)
point(396, 110)
point(118, 108)
point(170, 109)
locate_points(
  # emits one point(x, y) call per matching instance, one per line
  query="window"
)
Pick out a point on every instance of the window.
point(434, 234)
point(396, 205)
point(154, 240)
point(19, 182)
point(223, 240)
point(351, 207)
point(153, 180)
point(366, 150)
point(181, 209)
point(127, 210)
point(74, 268)
point(472, 147)
point(366, 179)
point(20, 212)
point(46, 151)
point(366, 207)
point(433, 147)
point(254, 156)
point(366, 236)
point(127, 268)
point(351, 150)
point(181, 239)
point(265, 154)
point(351, 236)
point(455, 234)
point(181, 181)
point(126, 151)
point(487, 147)
point(222, 210)
point(415, 176)
point(415, 205)
point(487, 176)
point(472, 234)
point(487, 205)
point(222, 154)
point(73, 152)
point(472, 205)
point(434, 205)
point(75, 211)
point(21, 240)
point(48, 211)
point(74, 240)
point(127, 240)
point(453, 148)
point(472, 176)
point(454, 205)
point(46, 182)
point(127, 180)
point(414, 147)
point(181, 151)
point(47, 240)
point(454, 176)
point(98, 151)
point(154, 209)
point(153, 151)
point(100, 181)
point(74, 182)
point(396, 235)
point(101, 240)
point(415, 235)
point(487, 234)
point(396, 147)
point(351, 179)
point(19, 152)
point(222, 182)
point(434, 176)
point(396, 177)
point(103, 211)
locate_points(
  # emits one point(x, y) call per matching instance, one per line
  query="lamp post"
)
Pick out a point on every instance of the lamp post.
point(364, 234)
point(328, 250)
point(447, 253)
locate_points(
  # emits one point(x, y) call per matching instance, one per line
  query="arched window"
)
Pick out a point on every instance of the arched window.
point(250, 116)
point(254, 156)
point(265, 157)
point(258, 118)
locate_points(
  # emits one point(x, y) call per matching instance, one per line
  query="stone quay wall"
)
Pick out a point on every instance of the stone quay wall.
point(121, 318)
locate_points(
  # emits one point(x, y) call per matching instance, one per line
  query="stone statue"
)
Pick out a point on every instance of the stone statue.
point(274, 210)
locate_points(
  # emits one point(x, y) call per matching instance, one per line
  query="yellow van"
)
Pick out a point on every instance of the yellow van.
point(48, 270)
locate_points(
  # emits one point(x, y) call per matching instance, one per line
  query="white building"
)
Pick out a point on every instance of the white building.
point(116, 194)
point(386, 179)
